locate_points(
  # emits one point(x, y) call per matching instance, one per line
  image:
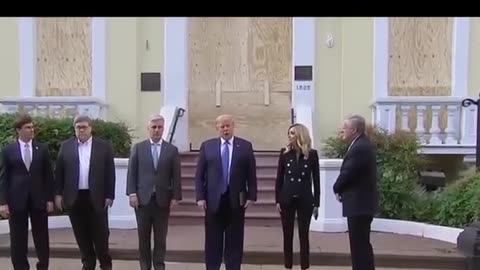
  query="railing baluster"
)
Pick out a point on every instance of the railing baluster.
point(405, 109)
point(450, 130)
point(420, 130)
point(435, 128)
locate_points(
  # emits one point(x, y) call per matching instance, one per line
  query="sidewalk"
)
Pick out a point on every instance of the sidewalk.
point(62, 264)
point(264, 245)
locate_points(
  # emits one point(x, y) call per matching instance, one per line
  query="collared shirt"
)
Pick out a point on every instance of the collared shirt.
point(353, 141)
point(158, 145)
point(230, 149)
point(84, 152)
point(22, 149)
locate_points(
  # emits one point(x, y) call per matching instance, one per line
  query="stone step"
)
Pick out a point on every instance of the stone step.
point(263, 191)
point(251, 218)
point(262, 180)
point(264, 245)
point(260, 157)
point(262, 169)
point(261, 206)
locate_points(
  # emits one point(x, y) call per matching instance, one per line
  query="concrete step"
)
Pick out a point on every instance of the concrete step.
point(262, 169)
point(264, 191)
point(251, 218)
point(266, 180)
point(260, 157)
point(264, 206)
point(264, 245)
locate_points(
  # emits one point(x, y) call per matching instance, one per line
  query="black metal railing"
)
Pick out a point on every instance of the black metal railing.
point(292, 116)
point(179, 113)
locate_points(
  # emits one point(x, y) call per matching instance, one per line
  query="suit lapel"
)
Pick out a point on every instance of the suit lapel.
point(218, 154)
point(34, 154)
point(163, 154)
point(92, 158)
point(147, 149)
point(235, 149)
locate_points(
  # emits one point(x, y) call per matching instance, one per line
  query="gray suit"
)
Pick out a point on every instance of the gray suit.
point(155, 188)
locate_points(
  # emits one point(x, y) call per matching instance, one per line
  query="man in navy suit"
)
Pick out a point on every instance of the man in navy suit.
point(26, 191)
point(226, 184)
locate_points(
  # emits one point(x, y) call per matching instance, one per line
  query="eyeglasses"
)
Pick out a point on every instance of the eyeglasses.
point(81, 127)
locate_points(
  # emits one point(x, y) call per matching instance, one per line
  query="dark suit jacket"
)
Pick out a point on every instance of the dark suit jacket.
point(295, 177)
point(357, 182)
point(17, 183)
point(243, 174)
point(101, 179)
point(142, 176)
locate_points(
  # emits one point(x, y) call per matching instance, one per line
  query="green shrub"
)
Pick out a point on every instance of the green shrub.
point(459, 202)
point(52, 131)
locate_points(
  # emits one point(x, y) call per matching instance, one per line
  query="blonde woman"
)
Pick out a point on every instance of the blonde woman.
point(297, 169)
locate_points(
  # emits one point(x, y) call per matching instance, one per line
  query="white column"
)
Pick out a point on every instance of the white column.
point(175, 75)
point(330, 217)
point(460, 52)
point(28, 56)
point(380, 56)
point(303, 91)
point(99, 67)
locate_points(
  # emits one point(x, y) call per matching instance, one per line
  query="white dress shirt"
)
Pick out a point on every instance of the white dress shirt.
point(84, 152)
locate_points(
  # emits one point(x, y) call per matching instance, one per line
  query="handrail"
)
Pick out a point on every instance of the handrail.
point(179, 113)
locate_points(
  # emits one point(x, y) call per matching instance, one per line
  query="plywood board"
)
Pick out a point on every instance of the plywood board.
point(241, 66)
point(420, 52)
point(64, 62)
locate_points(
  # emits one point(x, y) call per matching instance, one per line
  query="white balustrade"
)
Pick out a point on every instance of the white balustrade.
point(55, 106)
point(457, 129)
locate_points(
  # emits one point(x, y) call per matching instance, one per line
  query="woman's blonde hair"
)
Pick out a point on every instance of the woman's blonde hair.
point(304, 141)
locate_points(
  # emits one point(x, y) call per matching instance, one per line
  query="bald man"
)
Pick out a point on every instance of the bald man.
point(226, 184)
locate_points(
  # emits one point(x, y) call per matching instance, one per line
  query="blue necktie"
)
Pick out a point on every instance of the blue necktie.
point(155, 155)
point(225, 159)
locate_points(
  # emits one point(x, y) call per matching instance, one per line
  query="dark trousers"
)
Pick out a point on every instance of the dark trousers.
point(151, 216)
point(360, 247)
point(18, 222)
point(304, 212)
point(91, 231)
point(226, 225)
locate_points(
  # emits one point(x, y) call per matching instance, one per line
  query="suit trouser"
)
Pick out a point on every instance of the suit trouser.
point(226, 224)
point(304, 212)
point(18, 222)
point(360, 247)
point(151, 216)
point(91, 231)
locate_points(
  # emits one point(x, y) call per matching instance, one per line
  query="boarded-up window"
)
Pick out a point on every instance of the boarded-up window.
point(64, 62)
point(420, 51)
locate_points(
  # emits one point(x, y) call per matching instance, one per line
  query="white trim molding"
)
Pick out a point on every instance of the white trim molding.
point(380, 54)
point(460, 54)
point(175, 75)
point(28, 57)
point(304, 54)
point(99, 50)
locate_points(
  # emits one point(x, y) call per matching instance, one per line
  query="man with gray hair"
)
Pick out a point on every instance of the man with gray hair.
point(356, 189)
point(85, 187)
point(153, 187)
